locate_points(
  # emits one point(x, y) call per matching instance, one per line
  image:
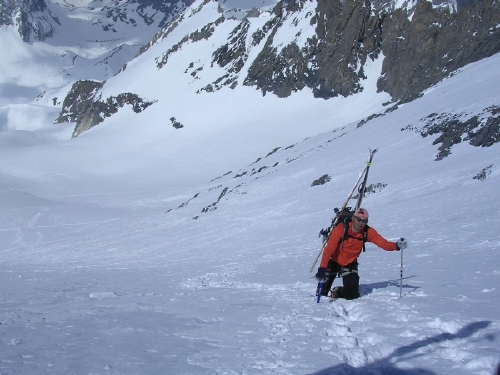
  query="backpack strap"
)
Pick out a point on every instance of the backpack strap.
point(346, 229)
point(365, 237)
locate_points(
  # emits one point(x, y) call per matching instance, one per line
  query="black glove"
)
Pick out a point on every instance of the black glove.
point(402, 244)
point(322, 274)
point(324, 232)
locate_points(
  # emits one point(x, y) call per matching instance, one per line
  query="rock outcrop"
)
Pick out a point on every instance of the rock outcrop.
point(481, 130)
point(331, 62)
point(418, 51)
point(84, 105)
point(34, 19)
point(421, 52)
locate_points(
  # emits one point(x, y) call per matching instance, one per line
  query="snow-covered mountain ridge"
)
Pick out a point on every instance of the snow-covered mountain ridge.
point(105, 35)
point(41, 20)
point(321, 46)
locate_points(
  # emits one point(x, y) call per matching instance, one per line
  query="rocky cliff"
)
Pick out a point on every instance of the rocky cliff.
point(34, 20)
point(423, 51)
point(85, 106)
point(418, 51)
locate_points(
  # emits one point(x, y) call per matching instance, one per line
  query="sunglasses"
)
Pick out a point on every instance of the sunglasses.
point(364, 221)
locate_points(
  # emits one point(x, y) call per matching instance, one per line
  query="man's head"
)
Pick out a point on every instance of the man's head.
point(360, 216)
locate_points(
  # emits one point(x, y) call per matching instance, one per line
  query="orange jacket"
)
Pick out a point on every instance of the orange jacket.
point(348, 251)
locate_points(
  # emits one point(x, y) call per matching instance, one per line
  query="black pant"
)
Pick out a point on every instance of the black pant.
point(350, 280)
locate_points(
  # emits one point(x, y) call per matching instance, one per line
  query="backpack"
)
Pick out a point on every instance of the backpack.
point(345, 217)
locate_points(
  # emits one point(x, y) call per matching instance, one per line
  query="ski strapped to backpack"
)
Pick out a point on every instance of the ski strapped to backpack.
point(363, 185)
point(326, 233)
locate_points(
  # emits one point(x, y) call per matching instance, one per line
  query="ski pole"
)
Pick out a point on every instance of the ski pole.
point(401, 277)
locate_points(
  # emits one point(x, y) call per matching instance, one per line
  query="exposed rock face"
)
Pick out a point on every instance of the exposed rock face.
point(331, 64)
point(418, 52)
point(466, 3)
point(205, 33)
point(481, 130)
point(345, 41)
point(213, 206)
point(484, 173)
point(422, 52)
point(168, 9)
point(35, 20)
point(231, 55)
point(83, 105)
point(7, 10)
point(79, 100)
point(322, 180)
point(176, 124)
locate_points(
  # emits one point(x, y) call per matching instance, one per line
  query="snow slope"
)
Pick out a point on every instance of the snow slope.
point(138, 248)
point(123, 252)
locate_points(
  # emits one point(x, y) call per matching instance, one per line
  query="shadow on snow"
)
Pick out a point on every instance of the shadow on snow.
point(385, 366)
point(366, 289)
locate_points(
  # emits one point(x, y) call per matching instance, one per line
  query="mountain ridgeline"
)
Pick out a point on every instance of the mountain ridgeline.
point(38, 20)
point(420, 46)
point(34, 19)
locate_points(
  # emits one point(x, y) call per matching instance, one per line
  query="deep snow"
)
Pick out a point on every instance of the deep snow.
point(98, 277)
point(109, 266)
